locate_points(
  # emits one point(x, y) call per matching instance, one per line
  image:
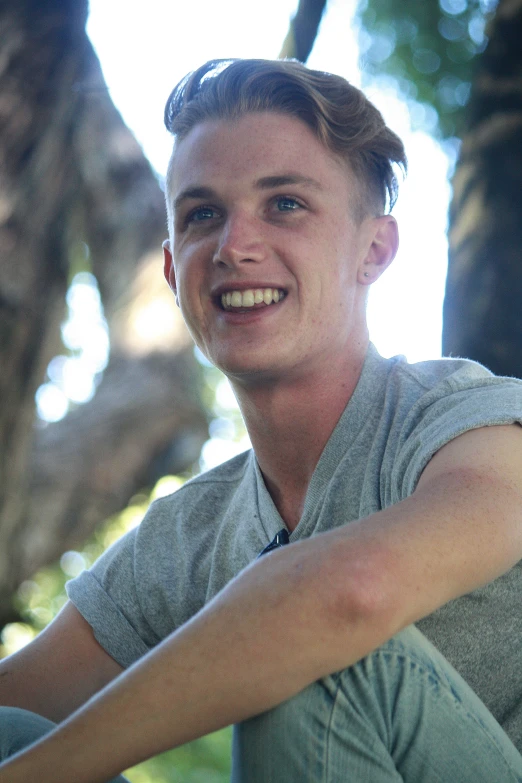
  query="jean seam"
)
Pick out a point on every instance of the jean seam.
point(427, 670)
point(329, 729)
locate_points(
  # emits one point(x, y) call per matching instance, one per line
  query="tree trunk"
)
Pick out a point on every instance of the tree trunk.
point(303, 30)
point(144, 422)
point(72, 173)
point(482, 308)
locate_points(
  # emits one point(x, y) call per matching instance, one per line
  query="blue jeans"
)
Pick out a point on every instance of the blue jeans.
point(19, 728)
point(401, 714)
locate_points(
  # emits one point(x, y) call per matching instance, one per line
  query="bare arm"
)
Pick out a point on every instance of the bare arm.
point(301, 613)
point(58, 671)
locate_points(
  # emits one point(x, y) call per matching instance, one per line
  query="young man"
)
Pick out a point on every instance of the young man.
point(398, 487)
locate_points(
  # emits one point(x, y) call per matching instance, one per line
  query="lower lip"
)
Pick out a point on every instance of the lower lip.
point(251, 314)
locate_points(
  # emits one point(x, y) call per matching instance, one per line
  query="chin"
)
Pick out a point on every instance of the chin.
point(247, 373)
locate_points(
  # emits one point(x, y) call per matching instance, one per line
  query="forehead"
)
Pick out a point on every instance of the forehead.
point(256, 145)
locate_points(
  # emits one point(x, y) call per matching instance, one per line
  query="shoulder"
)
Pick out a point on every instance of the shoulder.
point(450, 381)
point(397, 382)
point(455, 373)
point(219, 482)
point(156, 576)
point(428, 404)
point(197, 509)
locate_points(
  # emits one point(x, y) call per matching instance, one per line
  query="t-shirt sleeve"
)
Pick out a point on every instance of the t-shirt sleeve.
point(106, 596)
point(467, 399)
point(157, 576)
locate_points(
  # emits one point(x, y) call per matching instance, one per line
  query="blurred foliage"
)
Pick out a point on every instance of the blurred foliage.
point(206, 760)
point(430, 48)
point(38, 600)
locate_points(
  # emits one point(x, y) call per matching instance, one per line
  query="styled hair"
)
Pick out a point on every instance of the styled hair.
point(339, 114)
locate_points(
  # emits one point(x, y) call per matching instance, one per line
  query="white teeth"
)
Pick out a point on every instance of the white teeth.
point(250, 297)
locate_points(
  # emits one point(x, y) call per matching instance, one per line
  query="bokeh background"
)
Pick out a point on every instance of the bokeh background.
point(104, 403)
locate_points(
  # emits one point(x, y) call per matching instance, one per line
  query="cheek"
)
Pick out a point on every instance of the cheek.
point(187, 275)
point(188, 300)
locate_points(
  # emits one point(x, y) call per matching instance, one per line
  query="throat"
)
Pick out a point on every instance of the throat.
point(291, 518)
point(289, 503)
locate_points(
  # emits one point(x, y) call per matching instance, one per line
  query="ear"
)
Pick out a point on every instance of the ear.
point(168, 268)
point(383, 243)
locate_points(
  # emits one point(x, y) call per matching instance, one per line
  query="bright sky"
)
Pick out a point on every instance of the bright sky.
point(146, 47)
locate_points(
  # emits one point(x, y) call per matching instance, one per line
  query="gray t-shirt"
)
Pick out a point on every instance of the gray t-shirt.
point(192, 543)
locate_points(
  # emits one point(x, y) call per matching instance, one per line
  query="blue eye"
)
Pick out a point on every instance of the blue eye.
point(201, 214)
point(287, 204)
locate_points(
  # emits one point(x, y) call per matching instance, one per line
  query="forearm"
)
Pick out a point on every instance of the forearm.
point(302, 612)
point(264, 638)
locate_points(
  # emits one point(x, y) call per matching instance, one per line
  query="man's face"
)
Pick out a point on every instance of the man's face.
point(268, 260)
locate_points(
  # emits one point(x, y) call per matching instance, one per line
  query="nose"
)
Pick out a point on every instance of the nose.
point(241, 241)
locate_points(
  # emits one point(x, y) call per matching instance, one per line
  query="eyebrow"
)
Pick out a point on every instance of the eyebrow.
point(196, 192)
point(264, 183)
point(278, 181)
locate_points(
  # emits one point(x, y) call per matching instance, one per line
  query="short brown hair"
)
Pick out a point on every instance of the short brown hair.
point(339, 114)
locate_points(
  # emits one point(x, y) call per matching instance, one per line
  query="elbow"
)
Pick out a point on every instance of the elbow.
point(362, 599)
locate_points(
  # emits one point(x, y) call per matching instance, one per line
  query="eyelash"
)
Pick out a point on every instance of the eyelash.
point(192, 216)
point(294, 201)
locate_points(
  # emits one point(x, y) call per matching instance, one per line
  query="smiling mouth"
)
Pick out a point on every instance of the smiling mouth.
point(251, 297)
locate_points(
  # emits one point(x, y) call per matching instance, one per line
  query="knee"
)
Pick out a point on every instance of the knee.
point(19, 728)
point(368, 694)
point(288, 742)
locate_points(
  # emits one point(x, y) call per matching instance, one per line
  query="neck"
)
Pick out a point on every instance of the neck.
point(289, 422)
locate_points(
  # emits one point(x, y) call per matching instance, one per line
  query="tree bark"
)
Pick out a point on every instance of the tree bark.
point(482, 308)
point(303, 30)
point(144, 422)
point(72, 173)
